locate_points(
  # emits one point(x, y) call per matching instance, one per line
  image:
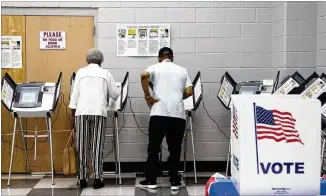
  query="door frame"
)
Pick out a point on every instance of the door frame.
point(39, 11)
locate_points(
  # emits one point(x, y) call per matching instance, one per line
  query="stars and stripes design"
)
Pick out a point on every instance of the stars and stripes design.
point(276, 125)
point(235, 122)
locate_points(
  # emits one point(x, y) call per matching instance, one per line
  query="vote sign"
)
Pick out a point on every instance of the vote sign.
point(275, 145)
point(55, 40)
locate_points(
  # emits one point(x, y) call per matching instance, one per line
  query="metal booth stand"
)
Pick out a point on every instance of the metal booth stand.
point(229, 87)
point(116, 107)
point(190, 104)
point(30, 100)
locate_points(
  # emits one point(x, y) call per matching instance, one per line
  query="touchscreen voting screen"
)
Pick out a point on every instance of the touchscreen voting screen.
point(7, 91)
point(226, 89)
point(316, 88)
point(29, 95)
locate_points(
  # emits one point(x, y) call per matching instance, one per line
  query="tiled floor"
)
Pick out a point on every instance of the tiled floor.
point(26, 185)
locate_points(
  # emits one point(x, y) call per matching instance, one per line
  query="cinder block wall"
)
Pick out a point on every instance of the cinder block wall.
point(251, 40)
point(321, 47)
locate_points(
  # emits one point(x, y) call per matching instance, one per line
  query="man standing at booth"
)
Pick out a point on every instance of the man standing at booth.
point(171, 85)
point(89, 102)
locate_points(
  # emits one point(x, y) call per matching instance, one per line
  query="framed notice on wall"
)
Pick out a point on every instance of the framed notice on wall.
point(52, 40)
point(142, 40)
point(11, 52)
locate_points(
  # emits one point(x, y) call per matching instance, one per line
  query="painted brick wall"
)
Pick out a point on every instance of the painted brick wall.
point(251, 40)
point(321, 32)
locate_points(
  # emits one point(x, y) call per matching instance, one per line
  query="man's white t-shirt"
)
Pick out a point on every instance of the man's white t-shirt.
point(169, 84)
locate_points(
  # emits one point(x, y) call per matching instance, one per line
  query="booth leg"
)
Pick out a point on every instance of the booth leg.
point(12, 151)
point(118, 148)
point(185, 148)
point(323, 155)
point(114, 145)
point(35, 139)
point(228, 161)
point(25, 145)
point(51, 152)
point(193, 149)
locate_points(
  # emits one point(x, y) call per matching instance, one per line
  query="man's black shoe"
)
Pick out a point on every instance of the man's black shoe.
point(82, 184)
point(98, 184)
point(147, 184)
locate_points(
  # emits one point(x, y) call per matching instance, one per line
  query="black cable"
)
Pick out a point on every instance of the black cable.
point(66, 106)
point(219, 129)
point(56, 118)
point(21, 148)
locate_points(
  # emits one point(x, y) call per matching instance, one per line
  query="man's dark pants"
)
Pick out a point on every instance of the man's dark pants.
point(173, 129)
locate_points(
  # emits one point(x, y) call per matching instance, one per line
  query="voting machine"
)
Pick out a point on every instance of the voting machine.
point(190, 105)
point(114, 106)
point(30, 100)
point(229, 87)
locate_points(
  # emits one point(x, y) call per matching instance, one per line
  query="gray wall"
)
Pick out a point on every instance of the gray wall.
point(321, 47)
point(251, 40)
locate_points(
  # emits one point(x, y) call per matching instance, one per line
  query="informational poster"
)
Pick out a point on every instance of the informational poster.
point(225, 92)
point(7, 93)
point(11, 52)
point(142, 40)
point(286, 87)
point(315, 90)
point(52, 40)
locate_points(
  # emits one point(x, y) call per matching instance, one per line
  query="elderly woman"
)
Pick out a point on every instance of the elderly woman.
point(88, 102)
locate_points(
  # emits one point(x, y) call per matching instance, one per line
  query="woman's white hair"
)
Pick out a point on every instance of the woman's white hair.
point(94, 56)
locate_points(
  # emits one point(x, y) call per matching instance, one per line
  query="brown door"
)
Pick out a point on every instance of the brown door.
point(45, 65)
point(12, 26)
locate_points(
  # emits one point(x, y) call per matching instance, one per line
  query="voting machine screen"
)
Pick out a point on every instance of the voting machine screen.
point(226, 90)
point(29, 95)
point(192, 102)
point(8, 91)
point(289, 83)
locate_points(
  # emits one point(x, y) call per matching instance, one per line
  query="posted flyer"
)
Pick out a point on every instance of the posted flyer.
point(142, 40)
point(11, 52)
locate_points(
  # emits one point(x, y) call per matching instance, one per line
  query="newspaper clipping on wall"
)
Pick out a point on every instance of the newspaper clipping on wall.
point(142, 40)
point(11, 52)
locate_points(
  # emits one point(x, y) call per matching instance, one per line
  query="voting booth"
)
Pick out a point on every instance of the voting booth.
point(30, 100)
point(115, 106)
point(229, 87)
point(273, 145)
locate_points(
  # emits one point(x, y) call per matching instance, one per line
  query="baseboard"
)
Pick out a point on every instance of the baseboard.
point(201, 166)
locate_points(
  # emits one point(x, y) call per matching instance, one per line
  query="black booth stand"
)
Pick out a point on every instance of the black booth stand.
point(116, 107)
point(30, 100)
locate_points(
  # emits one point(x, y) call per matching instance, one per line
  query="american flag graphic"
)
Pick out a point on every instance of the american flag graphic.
point(276, 125)
point(235, 122)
